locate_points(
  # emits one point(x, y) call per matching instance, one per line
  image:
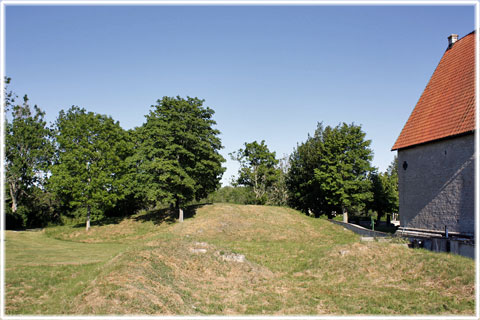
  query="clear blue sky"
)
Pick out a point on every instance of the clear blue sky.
point(269, 72)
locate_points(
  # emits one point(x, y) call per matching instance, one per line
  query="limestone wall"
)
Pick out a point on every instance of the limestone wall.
point(436, 185)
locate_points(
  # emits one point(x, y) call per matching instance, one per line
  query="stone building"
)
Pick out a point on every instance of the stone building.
point(436, 150)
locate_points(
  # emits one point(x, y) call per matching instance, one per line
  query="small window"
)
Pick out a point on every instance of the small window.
point(405, 165)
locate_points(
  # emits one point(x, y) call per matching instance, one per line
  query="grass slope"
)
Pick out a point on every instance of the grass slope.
point(294, 265)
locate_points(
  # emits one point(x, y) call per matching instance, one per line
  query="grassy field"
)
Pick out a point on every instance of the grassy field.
point(292, 264)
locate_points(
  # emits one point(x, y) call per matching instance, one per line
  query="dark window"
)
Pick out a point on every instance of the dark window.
point(405, 165)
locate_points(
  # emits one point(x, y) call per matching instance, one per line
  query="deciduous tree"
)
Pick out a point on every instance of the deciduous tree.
point(304, 192)
point(90, 167)
point(344, 167)
point(257, 168)
point(329, 172)
point(28, 152)
point(385, 191)
point(178, 155)
point(278, 192)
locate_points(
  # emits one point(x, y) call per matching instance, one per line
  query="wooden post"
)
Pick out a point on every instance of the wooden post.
point(345, 216)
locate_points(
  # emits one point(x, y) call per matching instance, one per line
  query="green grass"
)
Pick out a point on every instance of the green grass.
point(23, 246)
point(294, 265)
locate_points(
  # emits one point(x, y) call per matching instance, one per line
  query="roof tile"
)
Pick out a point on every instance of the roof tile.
point(447, 105)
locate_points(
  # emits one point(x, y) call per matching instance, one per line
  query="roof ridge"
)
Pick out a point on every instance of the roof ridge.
point(446, 106)
point(459, 39)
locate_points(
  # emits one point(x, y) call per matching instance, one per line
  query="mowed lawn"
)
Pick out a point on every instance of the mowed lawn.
point(288, 264)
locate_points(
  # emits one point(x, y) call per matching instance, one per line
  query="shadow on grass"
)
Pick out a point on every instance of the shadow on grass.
point(101, 222)
point(157, 216)
point(169, 215)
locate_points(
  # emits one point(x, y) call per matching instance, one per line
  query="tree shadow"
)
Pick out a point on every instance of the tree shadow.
point(157, 216)
point(169, 215)
point(191, 211)
point(101, 222)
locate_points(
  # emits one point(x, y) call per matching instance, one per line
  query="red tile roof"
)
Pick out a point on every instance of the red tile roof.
point(447, 105)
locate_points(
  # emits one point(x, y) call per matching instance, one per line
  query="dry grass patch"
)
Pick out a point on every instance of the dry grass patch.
point(168, 278)
point(287, 264)
point(399, 274)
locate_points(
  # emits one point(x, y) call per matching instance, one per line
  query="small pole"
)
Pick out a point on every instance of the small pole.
point(373, 223)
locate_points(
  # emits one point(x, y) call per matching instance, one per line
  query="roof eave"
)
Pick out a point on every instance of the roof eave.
point(435, 140)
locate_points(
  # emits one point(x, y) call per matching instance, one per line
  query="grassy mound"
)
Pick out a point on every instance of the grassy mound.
point(229, 259)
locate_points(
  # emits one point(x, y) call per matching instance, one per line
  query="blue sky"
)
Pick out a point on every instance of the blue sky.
point(269, 72)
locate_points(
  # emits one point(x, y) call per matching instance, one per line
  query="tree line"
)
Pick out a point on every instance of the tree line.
point(328, 174)
point(85, 166)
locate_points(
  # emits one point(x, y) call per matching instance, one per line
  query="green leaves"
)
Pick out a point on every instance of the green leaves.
point(90, 167)
point(385, 190)
point(28, 153)
point(342, 172)
point(178, 152)
point(89, 163)
point(329, 172)
point(257, 169)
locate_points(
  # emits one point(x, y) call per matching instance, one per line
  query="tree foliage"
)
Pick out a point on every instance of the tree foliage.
point(304, 192)
point(230, 194)
point(178, 152)
point(28, 152)
point(257, 169)
point(344, 168)
point(278, 193)
point(88, 165)
point(329, 172)
point(89, 170)
point(385, 191)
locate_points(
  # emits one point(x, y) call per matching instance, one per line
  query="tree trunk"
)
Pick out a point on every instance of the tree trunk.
point(14, 198)
point(180, 211)
point(379, 217)
point(88, 198)
point(255, 187)
point(180, 214)
point(345, 215)
point(88, 217)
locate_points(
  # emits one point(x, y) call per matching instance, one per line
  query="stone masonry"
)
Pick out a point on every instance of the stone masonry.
point(436, 184)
